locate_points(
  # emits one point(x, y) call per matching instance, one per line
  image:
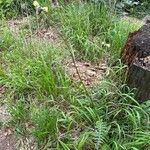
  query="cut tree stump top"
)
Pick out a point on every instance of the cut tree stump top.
point(137, 45)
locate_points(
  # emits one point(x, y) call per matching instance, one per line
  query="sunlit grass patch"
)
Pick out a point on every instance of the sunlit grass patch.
point(119, 34)
point(82, 24)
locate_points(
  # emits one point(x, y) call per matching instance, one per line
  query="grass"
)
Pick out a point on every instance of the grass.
point(82, 24)
point(88, 26)
point(57, 112)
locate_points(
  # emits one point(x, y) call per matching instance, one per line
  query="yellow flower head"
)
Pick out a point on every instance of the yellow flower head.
point(45, 9)
point(36, 4)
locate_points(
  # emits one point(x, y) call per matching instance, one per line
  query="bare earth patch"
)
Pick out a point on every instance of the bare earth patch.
point(14, 25)
point(7, 140)
point(89, 73)
point(4, 114)
point(47, 34)
point(50, 34)
point(2, 90)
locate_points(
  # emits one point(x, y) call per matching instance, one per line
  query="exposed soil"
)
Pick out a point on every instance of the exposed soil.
point(2, 90)
point(89, 73)
point(14, 25)
point(27, 143)
point(7, 140)
point(48, 35)
point(4, 114)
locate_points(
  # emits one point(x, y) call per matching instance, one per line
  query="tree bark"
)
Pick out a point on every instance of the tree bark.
point(139, 78)
point(136, 54)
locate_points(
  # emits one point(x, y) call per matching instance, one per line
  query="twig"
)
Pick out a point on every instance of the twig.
point(78, 73)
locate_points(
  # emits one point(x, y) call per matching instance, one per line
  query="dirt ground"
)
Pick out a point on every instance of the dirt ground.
point(90, 74)
point(7, 140)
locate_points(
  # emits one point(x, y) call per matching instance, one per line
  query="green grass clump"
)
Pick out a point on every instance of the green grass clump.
point(81, 24)
point(34, 67)
point(119, 34)
point(6, 40)
point(44, 122)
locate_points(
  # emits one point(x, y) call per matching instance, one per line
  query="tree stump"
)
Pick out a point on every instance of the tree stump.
point(136, 54)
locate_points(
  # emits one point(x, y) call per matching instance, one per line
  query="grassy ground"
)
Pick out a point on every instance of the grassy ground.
point(52, 110)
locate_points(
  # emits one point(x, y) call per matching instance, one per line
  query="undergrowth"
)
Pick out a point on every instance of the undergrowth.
point(92, 29)
point(56, 111)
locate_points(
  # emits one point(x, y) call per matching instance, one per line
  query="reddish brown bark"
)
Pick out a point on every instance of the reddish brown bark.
point(136, 54)
point(137, 45)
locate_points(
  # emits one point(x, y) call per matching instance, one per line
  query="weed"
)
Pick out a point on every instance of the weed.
point(44, 122)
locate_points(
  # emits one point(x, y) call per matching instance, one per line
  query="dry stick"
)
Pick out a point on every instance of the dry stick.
point(73, 59)
point(78, 73)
